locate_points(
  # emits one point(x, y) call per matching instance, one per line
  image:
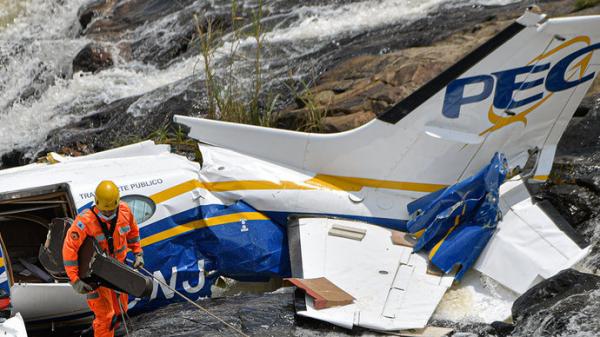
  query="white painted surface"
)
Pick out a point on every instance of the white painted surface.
point(527, 247)
point(390, 284)
point(42, 301)
point(13, 327)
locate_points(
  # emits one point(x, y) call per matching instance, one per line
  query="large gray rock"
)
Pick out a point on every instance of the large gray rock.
point(154, 32)
point(256, 315)
point(567, 304)
point(92, 58)
point(131, 119)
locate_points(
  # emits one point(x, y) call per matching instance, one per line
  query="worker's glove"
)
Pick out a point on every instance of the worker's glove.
point(139, 261)
point(81, 287)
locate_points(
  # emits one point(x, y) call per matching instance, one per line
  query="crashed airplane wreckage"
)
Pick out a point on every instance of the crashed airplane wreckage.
point(385, 217)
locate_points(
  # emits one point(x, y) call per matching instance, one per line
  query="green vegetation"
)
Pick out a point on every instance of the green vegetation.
point(171, 135)
point(225, 95)
point(227, 99)
point(583, 4)
point(314, 112)
point(228, 95)
point(177, 138)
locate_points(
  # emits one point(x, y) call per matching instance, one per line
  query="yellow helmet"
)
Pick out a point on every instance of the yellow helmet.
point(107, 196)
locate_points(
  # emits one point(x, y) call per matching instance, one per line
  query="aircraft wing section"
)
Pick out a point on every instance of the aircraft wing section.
point(531, 243)
point(391, 287)
point(145, 148)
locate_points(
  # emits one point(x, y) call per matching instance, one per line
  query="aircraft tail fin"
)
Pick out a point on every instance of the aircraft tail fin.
point(514, 94)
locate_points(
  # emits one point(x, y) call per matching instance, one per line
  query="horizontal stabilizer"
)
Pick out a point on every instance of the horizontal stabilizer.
point(145, 148)
point(528, 245)
point(391, 286)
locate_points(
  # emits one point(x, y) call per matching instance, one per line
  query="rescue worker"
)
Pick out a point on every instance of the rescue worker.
point(113, 226)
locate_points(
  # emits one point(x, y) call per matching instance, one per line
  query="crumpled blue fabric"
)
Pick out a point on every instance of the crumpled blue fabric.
point(456, 223)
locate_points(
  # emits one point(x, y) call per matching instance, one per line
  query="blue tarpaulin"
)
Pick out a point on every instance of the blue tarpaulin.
point(456, 223)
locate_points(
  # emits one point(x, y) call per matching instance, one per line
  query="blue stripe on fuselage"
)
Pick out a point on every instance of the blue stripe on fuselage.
point(206, 211)
point(200, 212)
point(282, 218)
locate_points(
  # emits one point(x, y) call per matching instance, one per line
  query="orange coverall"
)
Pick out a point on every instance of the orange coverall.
point(102, 301)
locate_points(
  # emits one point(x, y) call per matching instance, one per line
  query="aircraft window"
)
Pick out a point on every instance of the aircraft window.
point(142, 207)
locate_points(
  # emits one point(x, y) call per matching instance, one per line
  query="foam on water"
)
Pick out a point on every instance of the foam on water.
point(324, 22)
point(41, 43)
point(478, 299)
point(581, 321)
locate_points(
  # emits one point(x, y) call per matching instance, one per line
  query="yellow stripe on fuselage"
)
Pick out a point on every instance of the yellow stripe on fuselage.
point(225, 186)
point(1, 262)
point(351, 184)
point(202, 223)
point(319, 182)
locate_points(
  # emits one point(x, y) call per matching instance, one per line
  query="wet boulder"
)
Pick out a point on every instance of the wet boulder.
point(269, 314)
point(575, 202)
point(346, 122)
point(91, 10)
point(105, 17)
point(92, 58)
point(565, 304)
point(574, 185)
point(13, 158)
point(581, 136)
point(131, 119)
point(154, 32)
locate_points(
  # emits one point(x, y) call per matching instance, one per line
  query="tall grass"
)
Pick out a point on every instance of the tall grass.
point(227, 98)
point(314, 112)
point(583, 4)
point(178, 139)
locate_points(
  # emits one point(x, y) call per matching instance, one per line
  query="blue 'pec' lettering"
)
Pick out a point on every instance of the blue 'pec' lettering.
point(556, 77)
point(507, 85)
point(455, 94)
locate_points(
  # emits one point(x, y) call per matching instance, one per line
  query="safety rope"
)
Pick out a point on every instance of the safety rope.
point(192, 302)
point(122, 313)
